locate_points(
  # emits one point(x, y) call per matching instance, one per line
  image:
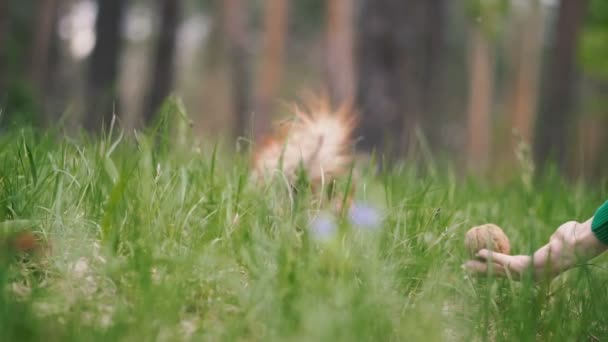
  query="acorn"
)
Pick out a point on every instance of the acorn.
point(488, 236)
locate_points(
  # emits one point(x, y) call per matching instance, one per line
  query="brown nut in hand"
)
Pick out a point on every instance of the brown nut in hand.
point(488, 236)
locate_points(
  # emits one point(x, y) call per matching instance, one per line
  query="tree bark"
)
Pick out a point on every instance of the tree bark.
point(163, 73)
point(54, 95)
point(271, 71)
point(388, 70)
point(103, 66)
point(559, 87)
point(40, 48)
point(526, 61)
point(590, 137)
point(481, 92)
point(237, 38)
point(44, 60)
point(4, 16)
point(340, 69)
point(432, 75)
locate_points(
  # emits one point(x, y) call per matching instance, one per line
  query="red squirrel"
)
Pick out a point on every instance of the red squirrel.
point(318, 139)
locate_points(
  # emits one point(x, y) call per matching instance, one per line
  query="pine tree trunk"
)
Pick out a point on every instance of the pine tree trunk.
point(526, 58)
point(40, 47)
point(53, 95)
point(340, 51)
point(237, 38)
point(591, 143)
point(432, 75)
point(271, 72)
point(390, 58)
point(163, 72)
point(559, 87)
point(481, 91)
point(4, 16)
point(382, 54)
point(103, 66)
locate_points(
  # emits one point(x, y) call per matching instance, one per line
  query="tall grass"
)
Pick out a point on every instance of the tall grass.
point(159, 240)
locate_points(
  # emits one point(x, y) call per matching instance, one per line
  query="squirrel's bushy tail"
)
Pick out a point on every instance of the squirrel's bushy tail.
point(317, 139)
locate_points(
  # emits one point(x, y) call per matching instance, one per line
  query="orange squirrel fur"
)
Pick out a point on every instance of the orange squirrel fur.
point(317, 138)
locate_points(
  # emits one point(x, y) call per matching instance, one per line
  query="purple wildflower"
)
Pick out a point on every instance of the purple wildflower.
point(362, 215)
point(323, 226)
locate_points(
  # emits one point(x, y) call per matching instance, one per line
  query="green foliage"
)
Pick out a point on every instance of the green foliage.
point(170, 242)
point(488, 15)
point(594, 50)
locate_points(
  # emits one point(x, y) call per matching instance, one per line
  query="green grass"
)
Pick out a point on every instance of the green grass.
point(174, 243)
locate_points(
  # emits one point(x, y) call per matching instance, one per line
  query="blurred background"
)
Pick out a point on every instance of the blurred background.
point(488, 84)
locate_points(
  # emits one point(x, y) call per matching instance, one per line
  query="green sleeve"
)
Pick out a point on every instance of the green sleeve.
point(600, 223)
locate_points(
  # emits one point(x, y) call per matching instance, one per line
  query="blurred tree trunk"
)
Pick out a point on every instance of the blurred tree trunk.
point(383, 53)
point(19, 105)
point(55, 96)
point(481, 92)
point(237, 38)
point(526, 61)
point(591, 142)
point(40, 48)
point(271, 71)
point(432, 70)
point(163, 72)
point(102, 94)
point(44, 54)
point(559, 86)
point(391, 53)
point(340, 69)
point(4, 16)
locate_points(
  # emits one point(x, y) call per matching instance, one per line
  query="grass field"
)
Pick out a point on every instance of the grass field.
point(174, 243)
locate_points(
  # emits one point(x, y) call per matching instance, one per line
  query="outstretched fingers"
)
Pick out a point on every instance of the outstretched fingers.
point(515, 265)
point(495, 257)
point(483, 268)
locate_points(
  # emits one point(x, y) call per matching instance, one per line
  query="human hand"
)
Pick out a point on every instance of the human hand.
point(571, 243)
